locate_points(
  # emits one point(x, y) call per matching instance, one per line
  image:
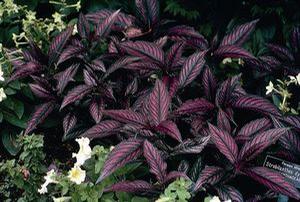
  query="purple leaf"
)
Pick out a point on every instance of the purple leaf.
point(58, 44)
point(65, 77)
point(170, 129)
point(148, 11)
point(69, 122)
point(255, 103)
point(145, 50)
point(191, 68)
point(173, 175)
point(120, 63)
point(161, 42)
point(281, 52)
point(136, 186)
point(126, 116)
point(159, 102)
point(96, 109)
point(290, 141)
point(229, 193)
point(157, 165)
point(223, 121)
point(293, 121)
point(104, 27)
point(134, 129)
point(252, 128)
point(132, 87)
point(174, 54)
point(76, 94)
point(70, 52)
point(122, 154)
point(40, 92)
point(27, 69)
point(232, 51)
point(120, 24)
point(209, 83)
point(89, 78)
point(273, 180)
point(189, 35)
point(295, 38)
point(39, 115)
point(209, 175)
point(224, 142)
point(102, 129)
point(83, 26)
point(261, 141)
point(239, 35)
point(191, 146)
point(98, 65)
point(192, 106)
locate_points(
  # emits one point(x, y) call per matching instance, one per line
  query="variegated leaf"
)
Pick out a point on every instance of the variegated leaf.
point(191, 68)
point(170, 129)
point(159, 102)
point(63, 78)
point(96, 109)
point(257, 104)
point(136, 186)
point(157, 165)
point(126, 116)
point(122, 154)
point(102, 129)
point(273, 180)
point(76, 94)
point(209, 175)
point(260, 142)
point(39, 115)
point(58, 44)
point(193, 106)
point(225, 143)
point(239, 35)
point(104, 27)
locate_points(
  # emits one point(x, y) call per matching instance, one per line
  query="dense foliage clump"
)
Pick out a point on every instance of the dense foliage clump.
point(183, 108)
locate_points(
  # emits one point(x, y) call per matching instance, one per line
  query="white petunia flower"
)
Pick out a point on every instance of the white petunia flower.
point(49, 178)
point(227, 61)
point(43, 189)
point(215, 199)
point(77, 175)
point(269, 88)
point(1, 75)
point(85, 151)
point(293, 79)
point(62, 199)
point(298, 79)
point(2, 94)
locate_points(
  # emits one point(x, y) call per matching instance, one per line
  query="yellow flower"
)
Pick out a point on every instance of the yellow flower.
point(270, 88)
point(77, 175)
point(85, 151)
point(2, 94)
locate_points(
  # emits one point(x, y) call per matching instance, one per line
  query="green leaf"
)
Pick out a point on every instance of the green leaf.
point(9, 141)
point(139, 199)
point(15, 85)
point(14, 120)
point(10, 91)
